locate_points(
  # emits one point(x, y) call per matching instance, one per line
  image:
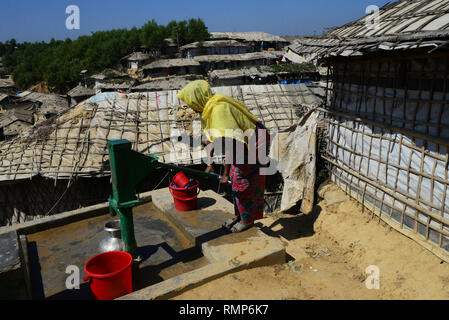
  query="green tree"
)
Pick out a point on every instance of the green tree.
point(153, 35)
point(197, 30)
point(178, 32)
point(59, 62)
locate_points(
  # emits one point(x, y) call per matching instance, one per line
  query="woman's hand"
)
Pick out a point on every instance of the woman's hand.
point(224, 179)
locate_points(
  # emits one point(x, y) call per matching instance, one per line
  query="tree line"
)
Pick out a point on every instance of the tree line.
point(59, 63)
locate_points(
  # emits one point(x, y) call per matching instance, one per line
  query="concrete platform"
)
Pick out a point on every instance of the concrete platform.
point(225, 251)
point(164, 250)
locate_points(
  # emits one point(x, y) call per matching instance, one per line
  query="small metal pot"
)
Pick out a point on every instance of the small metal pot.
point(114, 241)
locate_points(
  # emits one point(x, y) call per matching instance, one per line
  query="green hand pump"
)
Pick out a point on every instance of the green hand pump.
point(128, 168)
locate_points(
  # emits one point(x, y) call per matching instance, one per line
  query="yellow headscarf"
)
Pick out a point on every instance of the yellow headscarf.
point(221, 116)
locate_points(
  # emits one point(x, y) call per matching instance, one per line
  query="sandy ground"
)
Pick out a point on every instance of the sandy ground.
point(329, 251)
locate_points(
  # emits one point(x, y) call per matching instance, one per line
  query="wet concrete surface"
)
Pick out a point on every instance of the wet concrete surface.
point(165, 253)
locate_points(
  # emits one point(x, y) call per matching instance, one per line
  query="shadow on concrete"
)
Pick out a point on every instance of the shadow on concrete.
point(210, 236)
point(149, 275)
point(37, 286)
point(83, 293)
point(293, 228)
point(205, 202)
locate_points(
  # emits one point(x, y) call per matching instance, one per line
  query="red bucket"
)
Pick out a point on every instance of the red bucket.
point(185, 198)
point(110, 275)
point(180, 179)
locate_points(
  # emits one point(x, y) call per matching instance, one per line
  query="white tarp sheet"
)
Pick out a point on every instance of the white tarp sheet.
point(295, 153)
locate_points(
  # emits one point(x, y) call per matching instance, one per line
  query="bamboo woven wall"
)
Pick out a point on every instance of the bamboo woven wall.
point(388, 141)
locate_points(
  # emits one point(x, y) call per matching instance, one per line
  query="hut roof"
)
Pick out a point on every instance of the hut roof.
point(52, 103)
point(163, 84)
point(6, 83)
point(81, 91)
point(3, 96)
point(215, 44)
point(121, 85)
point(238, 57)
point(75, 143)
point(248, 36)
point(168, 63)
point(108, 74)
point(402, 25)
point(229, 74)
point(137, 56)
point(11, 116)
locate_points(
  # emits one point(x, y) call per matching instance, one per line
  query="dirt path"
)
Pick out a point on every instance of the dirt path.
point(330, 251)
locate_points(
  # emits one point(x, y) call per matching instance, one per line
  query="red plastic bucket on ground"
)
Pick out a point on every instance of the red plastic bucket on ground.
point(110, 275)
point(185, 198)
point(180, 179)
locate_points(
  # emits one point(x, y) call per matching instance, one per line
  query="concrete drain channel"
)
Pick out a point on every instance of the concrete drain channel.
point(179, 250)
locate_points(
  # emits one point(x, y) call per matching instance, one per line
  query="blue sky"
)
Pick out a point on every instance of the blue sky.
point(31, 20)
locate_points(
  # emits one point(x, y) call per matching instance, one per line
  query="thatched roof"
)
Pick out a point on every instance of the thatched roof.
point(109, 74)
point(75, 143)
point(3, 96)
point(238, 57)
point(215, 44)
point(248, 36)
point(249, 72)
point(50, 103)
point(6, 83)
point(113, 85)
point(11, 116)
point(81, 91)
point(164, 84)
point(402, 25)
point(168, 63)
point(137, 56)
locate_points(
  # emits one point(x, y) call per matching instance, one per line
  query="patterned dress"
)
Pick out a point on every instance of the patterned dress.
point(248, 185)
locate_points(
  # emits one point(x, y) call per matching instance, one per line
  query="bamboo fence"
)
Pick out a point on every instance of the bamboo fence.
point(388, 141)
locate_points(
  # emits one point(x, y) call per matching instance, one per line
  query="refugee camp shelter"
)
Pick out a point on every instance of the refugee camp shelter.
point(7, 86)
point(108, 75)
point(14, 121)
point(167, 67)
point(49, 104)
point(388, 130)
point(257, 41)
point(80, 93)
point(213, 47)
point(161, 85)
point(8, 102)
point(170, 48)
point(115, 86)
point(136, 60)
point(231, 61)
point(63, 163)
point(253, 75)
